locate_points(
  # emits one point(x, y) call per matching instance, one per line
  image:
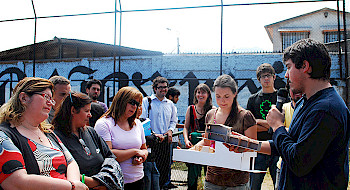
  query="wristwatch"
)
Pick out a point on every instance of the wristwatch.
point(73, 185)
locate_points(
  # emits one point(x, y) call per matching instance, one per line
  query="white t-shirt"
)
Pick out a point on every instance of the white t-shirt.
point(123, 140)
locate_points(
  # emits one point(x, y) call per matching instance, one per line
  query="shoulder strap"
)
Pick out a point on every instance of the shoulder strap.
point(149, 105)
point(22, 144)
point(193, 117)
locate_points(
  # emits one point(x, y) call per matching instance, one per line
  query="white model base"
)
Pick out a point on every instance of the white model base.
point(222, 157)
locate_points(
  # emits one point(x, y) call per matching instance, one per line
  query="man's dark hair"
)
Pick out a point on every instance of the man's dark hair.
point(264, 68)
point(313, 52)
point(93, 81)
point(158, 80)
point(172, 91)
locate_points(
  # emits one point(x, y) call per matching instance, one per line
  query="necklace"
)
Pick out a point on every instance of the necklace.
point(195, 107)
point(33, 133)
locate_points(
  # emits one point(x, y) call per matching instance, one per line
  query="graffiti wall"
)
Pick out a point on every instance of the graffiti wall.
point(183, 72)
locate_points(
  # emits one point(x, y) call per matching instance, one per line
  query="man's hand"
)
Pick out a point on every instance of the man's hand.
point(160, 136)
point(275, 118)
point(170, 135)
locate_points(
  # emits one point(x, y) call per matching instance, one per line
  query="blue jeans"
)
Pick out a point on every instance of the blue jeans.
point(151, 179)
point(210, 186)
point(262, 162)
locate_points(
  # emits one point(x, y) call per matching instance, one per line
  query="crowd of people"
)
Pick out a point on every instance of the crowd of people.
point(54, 138)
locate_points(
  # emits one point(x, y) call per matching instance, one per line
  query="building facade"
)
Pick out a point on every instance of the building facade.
point(321, 25)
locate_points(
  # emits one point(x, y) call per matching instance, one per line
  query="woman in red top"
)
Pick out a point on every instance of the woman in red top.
point(31, 156)
point(195, 126)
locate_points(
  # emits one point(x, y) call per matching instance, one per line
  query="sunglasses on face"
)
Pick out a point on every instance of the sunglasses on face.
point(162, 87)
point(86, 149)
point(134, 102)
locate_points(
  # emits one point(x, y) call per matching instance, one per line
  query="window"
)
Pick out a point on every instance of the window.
point(288, 38)
point(332, 36)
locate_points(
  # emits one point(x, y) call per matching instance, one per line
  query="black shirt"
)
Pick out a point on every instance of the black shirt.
point(89, 164)
point(260, 104)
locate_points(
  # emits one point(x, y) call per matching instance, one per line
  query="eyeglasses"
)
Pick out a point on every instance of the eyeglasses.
point(47, 97)
point(134, 102)
point(87, 150)
point(267, 75)
point(162, 87)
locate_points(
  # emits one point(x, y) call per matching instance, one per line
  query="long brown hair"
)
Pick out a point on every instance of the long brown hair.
point(227, 81)
point(120, 100)
point(63, 116)
point(13, 110)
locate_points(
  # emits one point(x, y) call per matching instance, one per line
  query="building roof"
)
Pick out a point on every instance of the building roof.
point(62, 48)
point(269, 28)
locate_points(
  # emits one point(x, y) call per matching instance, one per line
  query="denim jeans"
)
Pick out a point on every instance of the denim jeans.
point(262, 162)
point(151, 179)
point(210, 186)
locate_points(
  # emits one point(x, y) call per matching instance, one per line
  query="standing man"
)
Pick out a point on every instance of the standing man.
point(173, 95)
point(315, 150)
point(288, 109)
point(162, 114)
point(259, 104)
point(61, 90)
point(93, 90)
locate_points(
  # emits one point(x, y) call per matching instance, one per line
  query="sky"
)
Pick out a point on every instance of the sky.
point(198, 30)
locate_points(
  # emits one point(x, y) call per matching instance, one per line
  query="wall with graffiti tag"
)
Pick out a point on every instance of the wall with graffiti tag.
point(184, 72)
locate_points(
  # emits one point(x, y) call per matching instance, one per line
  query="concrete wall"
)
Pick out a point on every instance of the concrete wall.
point(184, 72)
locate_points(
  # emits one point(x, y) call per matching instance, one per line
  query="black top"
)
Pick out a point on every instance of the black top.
point(88, 164)
point(96, 112)
point(260, 104)
point(195, 123)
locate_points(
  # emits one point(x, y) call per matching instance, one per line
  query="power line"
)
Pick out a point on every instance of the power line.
point(163, 9)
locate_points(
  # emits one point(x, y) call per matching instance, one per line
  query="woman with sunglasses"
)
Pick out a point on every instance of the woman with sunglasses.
point(195, 127)
point(89, 150)
point(32, 156)
point(125, 135)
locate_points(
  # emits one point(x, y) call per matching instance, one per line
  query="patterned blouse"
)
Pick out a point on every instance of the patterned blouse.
point(51, 161)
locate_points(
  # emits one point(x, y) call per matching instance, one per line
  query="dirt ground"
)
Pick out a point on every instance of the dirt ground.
point(179, 178)
point(267, 183)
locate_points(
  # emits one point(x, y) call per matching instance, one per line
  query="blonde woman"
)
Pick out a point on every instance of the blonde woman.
point(32, 157)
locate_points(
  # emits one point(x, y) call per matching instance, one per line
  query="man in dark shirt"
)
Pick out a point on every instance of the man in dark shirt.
point(259, 104)
point(316, 147)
